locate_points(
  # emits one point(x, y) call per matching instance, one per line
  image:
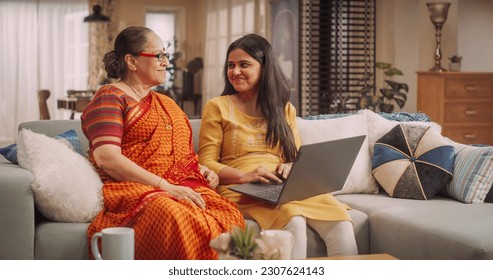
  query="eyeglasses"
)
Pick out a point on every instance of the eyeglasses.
point(160, 56)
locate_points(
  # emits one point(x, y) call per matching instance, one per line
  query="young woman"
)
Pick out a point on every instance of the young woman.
point(249, 134)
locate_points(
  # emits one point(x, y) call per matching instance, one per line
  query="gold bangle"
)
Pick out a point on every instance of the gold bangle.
point(160, 180)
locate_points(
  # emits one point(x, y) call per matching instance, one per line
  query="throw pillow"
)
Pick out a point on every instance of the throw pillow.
point(405, 116)
point(413, 161)
point(313, 131)
point(473, 173)
point(326, 116)
point(379, 125)
point(69, 137)
point(66, 187)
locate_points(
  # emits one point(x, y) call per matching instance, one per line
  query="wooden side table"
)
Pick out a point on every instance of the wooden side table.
point(358, 257)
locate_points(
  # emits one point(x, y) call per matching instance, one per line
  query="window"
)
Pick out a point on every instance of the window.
point(44, 46)
point(227, 20)
point(76, 42)
point(168, 22)
point(337, 54)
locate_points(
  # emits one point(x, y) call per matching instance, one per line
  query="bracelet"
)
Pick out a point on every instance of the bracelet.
point(160, 180)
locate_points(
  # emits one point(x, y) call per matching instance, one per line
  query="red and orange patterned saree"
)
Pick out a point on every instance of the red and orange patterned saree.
point(156, 134)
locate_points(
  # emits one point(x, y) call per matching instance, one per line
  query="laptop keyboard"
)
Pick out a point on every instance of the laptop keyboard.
point(272, 193)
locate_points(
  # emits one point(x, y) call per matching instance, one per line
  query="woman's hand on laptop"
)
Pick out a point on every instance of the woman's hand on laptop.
point(262, 175)
point(283, 169)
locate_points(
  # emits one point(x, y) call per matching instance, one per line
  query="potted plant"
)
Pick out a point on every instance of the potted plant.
point(455, 61)
point(237, 244)
point(391, 93)
point(247, 244)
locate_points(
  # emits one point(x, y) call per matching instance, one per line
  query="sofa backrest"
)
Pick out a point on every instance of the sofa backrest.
point(195, 123)
point(54, 127)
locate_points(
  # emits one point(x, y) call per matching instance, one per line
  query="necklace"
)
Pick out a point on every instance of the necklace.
point(141, 98)
point(167, 124)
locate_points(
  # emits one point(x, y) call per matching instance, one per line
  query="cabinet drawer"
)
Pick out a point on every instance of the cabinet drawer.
point(469, 112)
point(468, 88)
point(470, 134)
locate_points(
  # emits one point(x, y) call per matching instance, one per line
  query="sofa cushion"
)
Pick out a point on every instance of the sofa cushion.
point(70, 137)
point(61, 241)
point(413, 161)
point(66, 187)
point(473, 173)
point(380, 124)
point(435, 229)
point(312, 131)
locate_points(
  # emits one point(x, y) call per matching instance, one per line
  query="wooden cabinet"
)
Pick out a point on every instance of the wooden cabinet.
point(461, 102)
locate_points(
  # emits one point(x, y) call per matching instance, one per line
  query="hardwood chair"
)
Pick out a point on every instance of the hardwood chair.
point(188, 93)
point(80, 93)
point(44, 113)
point(82, 98)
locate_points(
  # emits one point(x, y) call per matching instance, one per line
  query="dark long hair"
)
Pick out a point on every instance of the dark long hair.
point(273, 92)
point(132, 40)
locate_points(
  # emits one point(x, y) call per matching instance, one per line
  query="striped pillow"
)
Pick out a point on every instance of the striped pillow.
point(473, 173)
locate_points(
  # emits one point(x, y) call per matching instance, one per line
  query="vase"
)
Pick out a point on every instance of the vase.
point(454, 66)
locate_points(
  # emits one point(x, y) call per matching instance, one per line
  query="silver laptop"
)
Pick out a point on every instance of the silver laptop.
point(319, 168)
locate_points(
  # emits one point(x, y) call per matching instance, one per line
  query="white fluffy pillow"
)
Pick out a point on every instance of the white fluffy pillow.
point(378, 126)
point(360, 179)
point(66, 187)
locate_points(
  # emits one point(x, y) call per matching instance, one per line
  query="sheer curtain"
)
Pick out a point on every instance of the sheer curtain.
point(227, 20)
point(32, 43)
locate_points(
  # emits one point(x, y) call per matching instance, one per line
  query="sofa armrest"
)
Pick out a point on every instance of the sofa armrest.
point(16, 212)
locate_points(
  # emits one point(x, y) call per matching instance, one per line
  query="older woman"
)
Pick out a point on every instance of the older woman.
point(141, 145)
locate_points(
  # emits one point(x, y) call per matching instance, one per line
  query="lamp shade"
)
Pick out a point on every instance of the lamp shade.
point(96, 15)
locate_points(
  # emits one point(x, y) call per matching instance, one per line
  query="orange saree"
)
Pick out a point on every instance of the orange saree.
point(157, 136)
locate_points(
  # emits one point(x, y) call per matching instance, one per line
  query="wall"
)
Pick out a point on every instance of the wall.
point(406, 38)
point(475, 35)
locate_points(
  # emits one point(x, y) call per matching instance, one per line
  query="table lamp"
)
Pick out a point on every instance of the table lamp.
point(438, 15)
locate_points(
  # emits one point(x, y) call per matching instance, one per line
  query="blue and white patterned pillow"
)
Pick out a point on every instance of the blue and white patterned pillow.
point(70, 136)
point(473, 173)
point(413, 162)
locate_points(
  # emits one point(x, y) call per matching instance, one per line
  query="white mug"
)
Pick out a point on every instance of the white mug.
point(117, 244)
point(281, 239)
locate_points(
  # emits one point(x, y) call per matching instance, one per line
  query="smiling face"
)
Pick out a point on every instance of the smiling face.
point(243, 71)
point(150, 69)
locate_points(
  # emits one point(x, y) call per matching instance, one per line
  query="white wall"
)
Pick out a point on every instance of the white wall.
point(475, 35)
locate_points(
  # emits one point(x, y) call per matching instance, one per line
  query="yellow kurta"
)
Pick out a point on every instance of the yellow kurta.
point(229, 137)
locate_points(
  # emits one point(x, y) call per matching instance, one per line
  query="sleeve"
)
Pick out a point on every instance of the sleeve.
point(293, 123)
point(211, 137)
point(103, 117)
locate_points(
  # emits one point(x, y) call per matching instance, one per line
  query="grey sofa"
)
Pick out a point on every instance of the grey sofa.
point(440, 228)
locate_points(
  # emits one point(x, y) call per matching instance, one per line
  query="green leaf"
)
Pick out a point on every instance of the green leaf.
point(366, 89)
point(393, 72)
point(383, 65)
point(400, 98)
point(244, 241)
point(387, 93)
